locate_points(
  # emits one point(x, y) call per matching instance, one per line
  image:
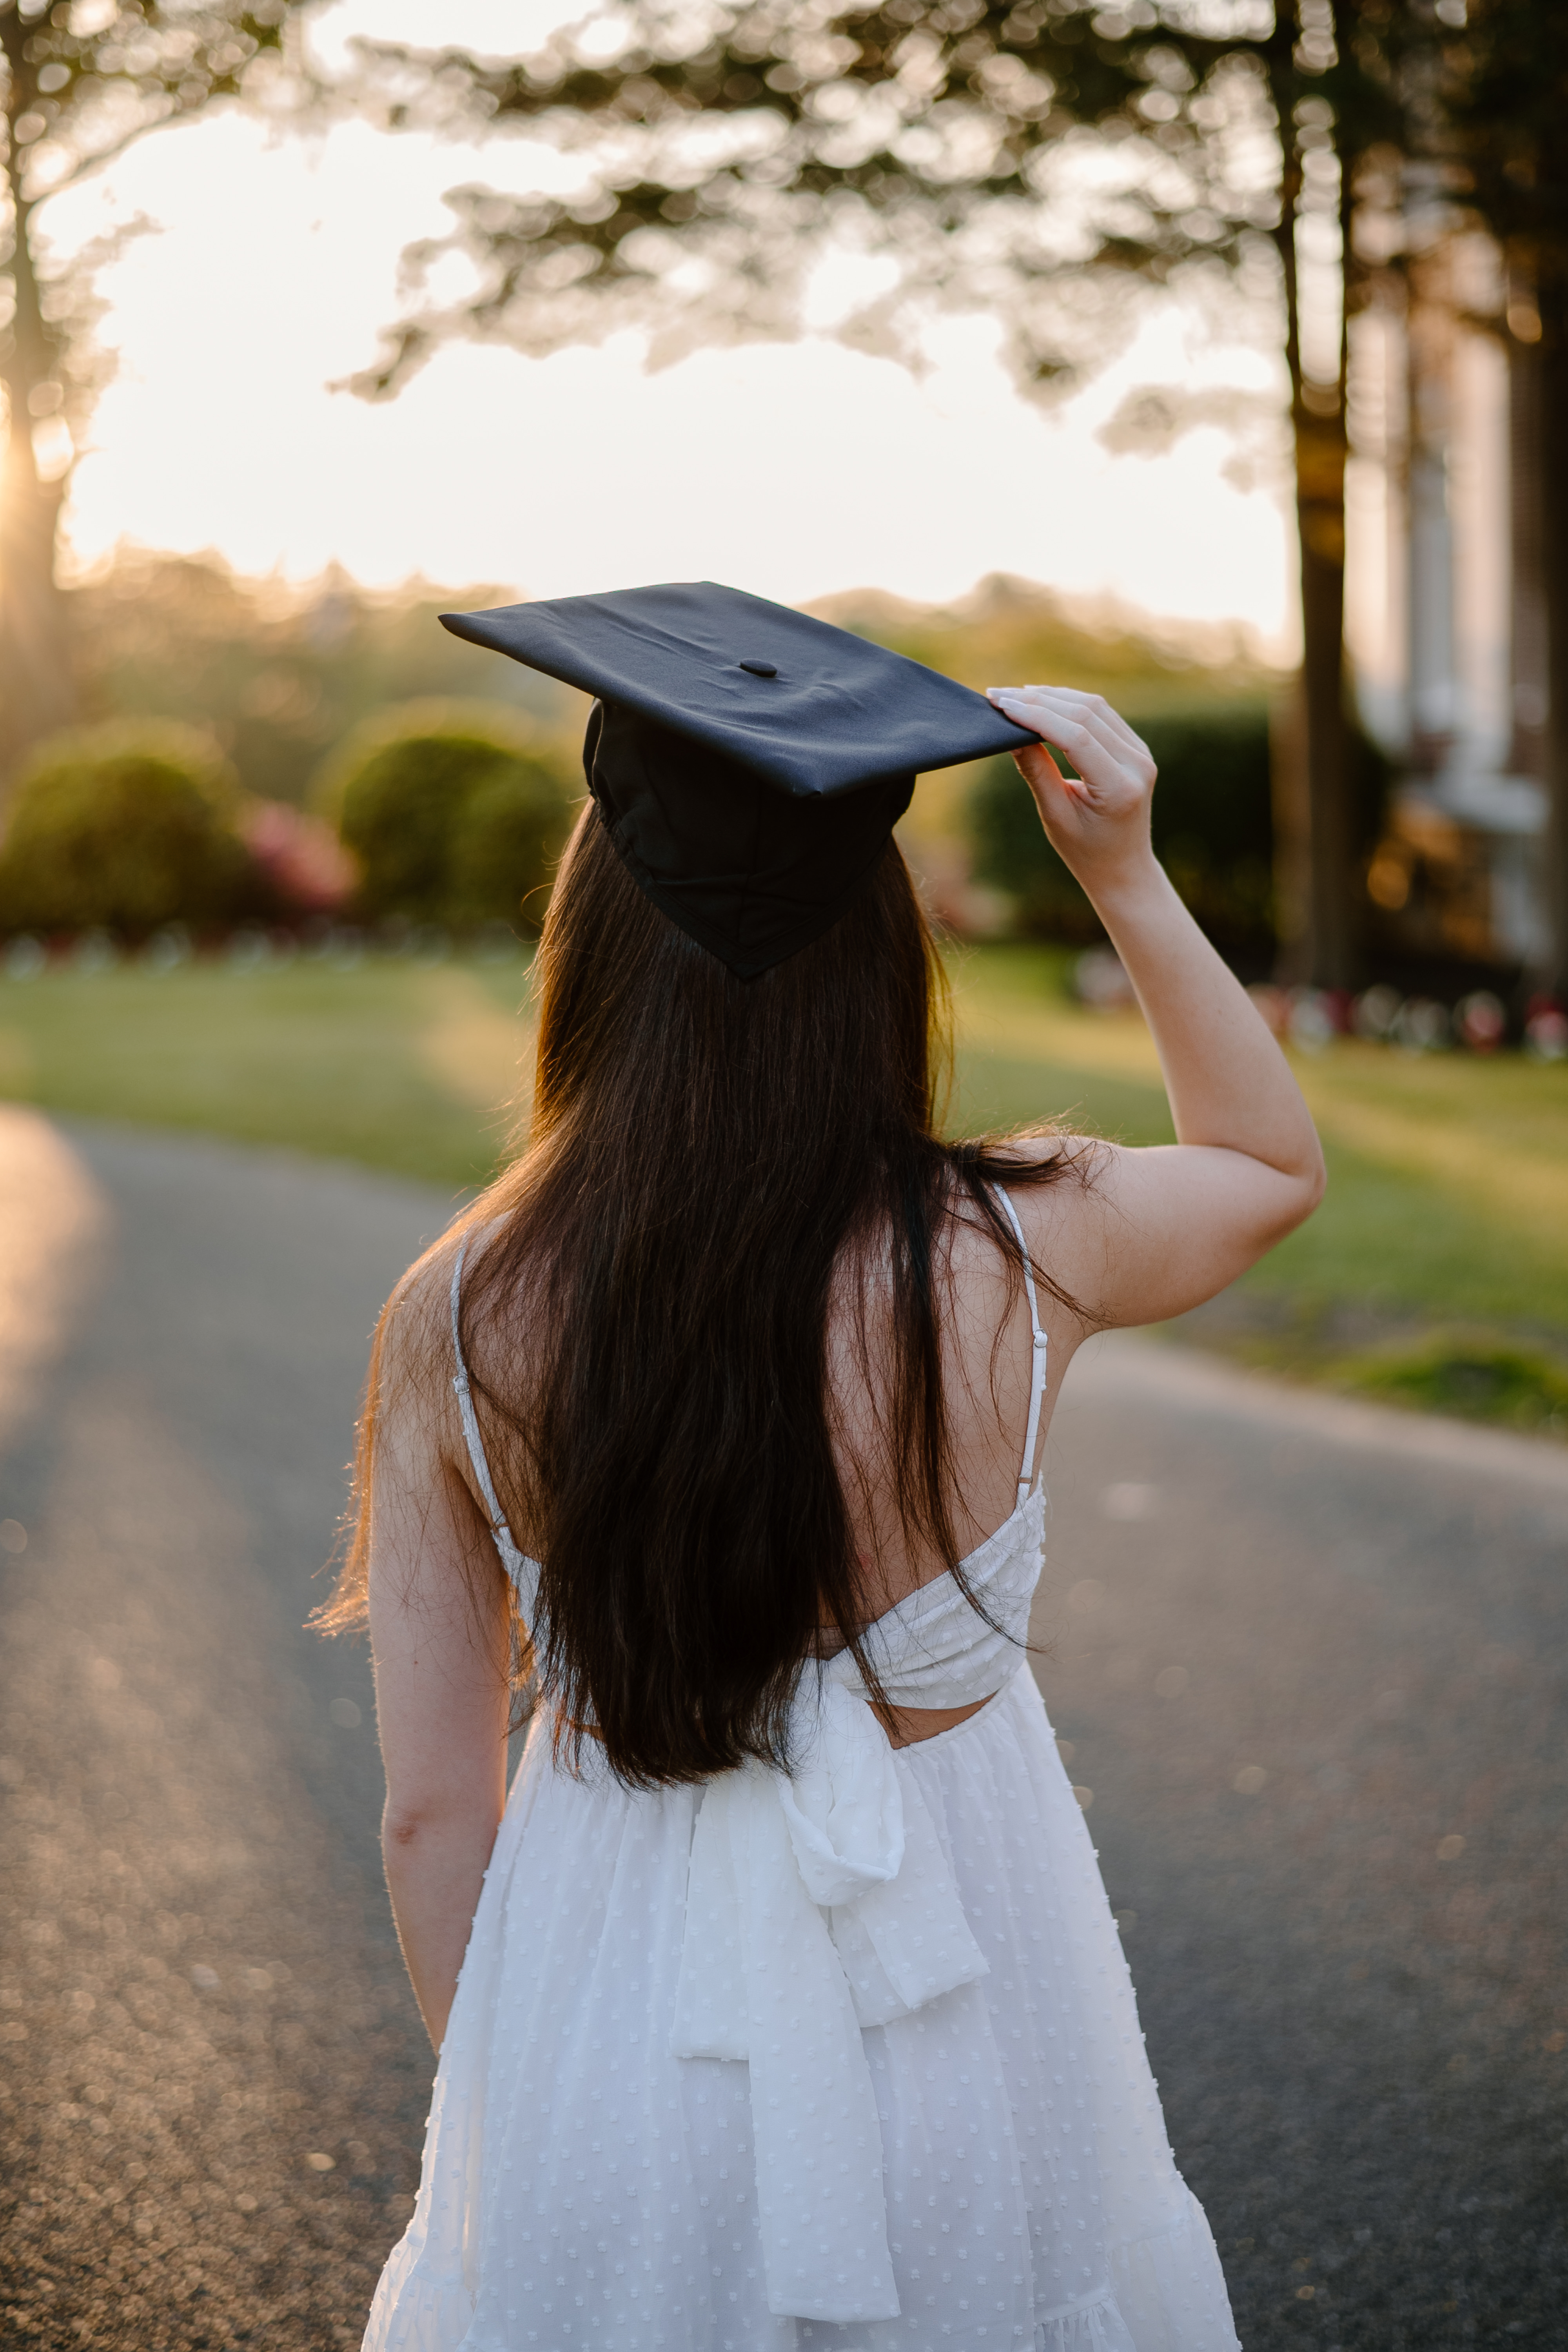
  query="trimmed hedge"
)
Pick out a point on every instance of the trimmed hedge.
point(451, 813)
point(123, 827)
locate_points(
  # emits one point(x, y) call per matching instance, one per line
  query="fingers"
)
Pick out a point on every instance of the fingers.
point(1087, 705)
point(1041, 773)
point(1059, 798)
point(1117, 741)
point(1051, 719)
point(1082, 726)
point(1099, 744)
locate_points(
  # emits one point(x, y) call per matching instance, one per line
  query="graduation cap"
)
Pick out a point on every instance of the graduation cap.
point(747, 761)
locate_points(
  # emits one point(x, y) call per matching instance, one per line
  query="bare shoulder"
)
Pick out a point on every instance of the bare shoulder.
point(414, 1359)
point(1056, 1190)
point(1049, 1179)
point(418, 1314)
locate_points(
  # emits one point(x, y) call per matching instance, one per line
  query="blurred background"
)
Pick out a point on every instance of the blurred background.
point(1203, 355)
point(1212, 355)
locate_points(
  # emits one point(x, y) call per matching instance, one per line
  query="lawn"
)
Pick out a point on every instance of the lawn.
point(402, 1065)
point(1445, 1226)
point(1448, 1173)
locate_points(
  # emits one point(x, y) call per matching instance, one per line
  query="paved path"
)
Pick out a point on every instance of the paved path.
point(203, 2003)
point(1313, 1659)
point(1300, 1650)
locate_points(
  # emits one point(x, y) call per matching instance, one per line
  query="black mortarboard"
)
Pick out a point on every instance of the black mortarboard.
point(749, 763)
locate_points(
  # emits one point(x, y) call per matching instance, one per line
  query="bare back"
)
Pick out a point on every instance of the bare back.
point(999, 1336)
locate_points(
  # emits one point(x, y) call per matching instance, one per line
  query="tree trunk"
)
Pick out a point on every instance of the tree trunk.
point(1291, 811)
point(37, 683)
point(1334, 930)
point(1551, 296)
point(1320, 926)
point(37, 675)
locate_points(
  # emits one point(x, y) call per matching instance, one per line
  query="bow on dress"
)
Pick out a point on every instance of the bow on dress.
point(818, 1903)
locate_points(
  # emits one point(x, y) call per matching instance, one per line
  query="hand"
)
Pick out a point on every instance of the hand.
point(1096, 821)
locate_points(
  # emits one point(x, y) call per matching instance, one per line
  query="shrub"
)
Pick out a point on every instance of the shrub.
point(502, 856)
point(451, 812)
point(1213, 827)
point(123, 827)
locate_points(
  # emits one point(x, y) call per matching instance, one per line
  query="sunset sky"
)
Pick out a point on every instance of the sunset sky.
point(793, 469)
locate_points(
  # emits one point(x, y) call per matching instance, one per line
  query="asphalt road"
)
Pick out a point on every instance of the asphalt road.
point(1310, 1659)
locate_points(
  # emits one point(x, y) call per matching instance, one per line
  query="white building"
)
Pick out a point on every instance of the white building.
point(1445, 618)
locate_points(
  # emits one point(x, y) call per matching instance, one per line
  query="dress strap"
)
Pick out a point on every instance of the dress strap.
point(1037, 1358)
point(475, 1443)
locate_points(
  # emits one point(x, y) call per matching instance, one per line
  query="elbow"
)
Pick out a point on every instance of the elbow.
point(413, 1826)
point(407, 1825)
point(1317, 1183)
point(402, 1828)
point(1311, 1186)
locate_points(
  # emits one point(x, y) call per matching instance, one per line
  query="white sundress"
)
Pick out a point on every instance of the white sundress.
point(843, 2059)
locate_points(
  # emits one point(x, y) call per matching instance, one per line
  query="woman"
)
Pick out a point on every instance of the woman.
point(780, 2003)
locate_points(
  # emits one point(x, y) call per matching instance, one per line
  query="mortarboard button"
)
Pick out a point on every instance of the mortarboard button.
point(760, 669)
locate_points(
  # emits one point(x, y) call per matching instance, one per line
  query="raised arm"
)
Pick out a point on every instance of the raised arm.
point(1163, 1229)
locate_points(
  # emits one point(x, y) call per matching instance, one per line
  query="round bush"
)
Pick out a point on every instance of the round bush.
point(502, 856)
point(451, 813)
point(123, 828)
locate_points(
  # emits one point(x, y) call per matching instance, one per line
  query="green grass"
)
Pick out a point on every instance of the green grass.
point(1447, 1174)
point(1474, 1374)
point(1447, 1202)
point(399, 1064)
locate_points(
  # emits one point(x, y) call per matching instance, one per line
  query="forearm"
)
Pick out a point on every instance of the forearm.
point(434, 1870)
point(1228, 1084)
point(1230, 1088)
point(1174, 1226)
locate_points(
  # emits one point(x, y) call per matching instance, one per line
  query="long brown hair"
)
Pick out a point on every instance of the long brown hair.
point(645, 1310)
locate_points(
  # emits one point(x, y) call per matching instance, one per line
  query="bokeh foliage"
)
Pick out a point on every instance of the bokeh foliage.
point(123, 827)
point(280, 674)
point(453, 812)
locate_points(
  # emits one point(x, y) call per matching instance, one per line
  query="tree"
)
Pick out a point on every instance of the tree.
point(1043, 158)
point(81, 85)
